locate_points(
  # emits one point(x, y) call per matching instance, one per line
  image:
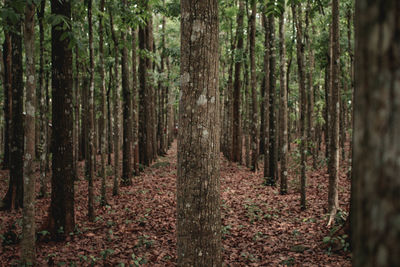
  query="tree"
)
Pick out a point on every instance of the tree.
point(236, 123)
point(14, 195)
point(91, 157)
point(272, 160)
point(62, 217)
point(103, 119)
point(146, 92)
point(198, 193)
point(283, 120)
point(7, 97)
point(127, 111)
point(296, 8)
point(375, 182)
point(28, 218)
point(41, 97)
point(117, 107)
point(333, 200)
point(254, 124)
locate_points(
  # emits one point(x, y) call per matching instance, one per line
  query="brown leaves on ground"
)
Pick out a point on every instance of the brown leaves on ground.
point(259, 226)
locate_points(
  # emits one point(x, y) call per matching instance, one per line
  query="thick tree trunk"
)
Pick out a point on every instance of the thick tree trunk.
point(333, 200)
point(62, 216)
point(375, 183)
point(28, 214)
point(146, 96)
point(198, 184)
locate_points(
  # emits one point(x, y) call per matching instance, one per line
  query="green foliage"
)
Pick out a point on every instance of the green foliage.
point(138, 260)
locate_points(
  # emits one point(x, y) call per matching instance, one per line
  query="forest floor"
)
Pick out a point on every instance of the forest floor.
point(260, 226)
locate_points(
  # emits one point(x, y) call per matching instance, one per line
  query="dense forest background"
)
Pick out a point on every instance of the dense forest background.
point(96, 93)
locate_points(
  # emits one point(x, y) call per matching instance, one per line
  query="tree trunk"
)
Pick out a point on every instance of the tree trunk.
point(283, 104)
point(333, 201)
point(266, 100)
point(273, 168)
point(237, 86)
point(146, 96)
point(103, 118)
point(91, 159)
point(375, 183)
point(126, 178)
point(135, 144)
point(7, 52)
point(117, 108)
point(62, 217)
point(300, 63)
point(28, 214)
point(14, 196)
point(254, 112)
point(198, 184)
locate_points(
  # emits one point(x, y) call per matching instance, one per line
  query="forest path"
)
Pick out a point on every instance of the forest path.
point(260, 227)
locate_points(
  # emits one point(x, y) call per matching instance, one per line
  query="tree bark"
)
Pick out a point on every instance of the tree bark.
point(117, 108)
point(62, 216)
point(283, 121)
point(28, 214)
point(375, 183)
point(91, 159)
point(333, 200)
point(7, 52)
point(237, 86)
point(272, 175)
point(126, 178)
point(198, 184)
point(254, 112)
point(14, 196)
point(300, 63)
point(103, 118)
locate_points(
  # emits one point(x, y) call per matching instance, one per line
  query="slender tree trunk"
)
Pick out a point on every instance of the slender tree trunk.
point(300, 62)
point(103, 118)
point(135, 144)
point(62, 216)
point(283, 104)
point(109, 117)
point(266, 85)
point(375, 183)
point(254, 112)
point(14, 196)
point(126, 178)
point(236, 122)
point(199, 217)
point(7, 52)
point(273, 168)
point(77, 113)
point(28, 214)
point(228, 104)
point(91, 159)
point(117, 108)
point(333, 200)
